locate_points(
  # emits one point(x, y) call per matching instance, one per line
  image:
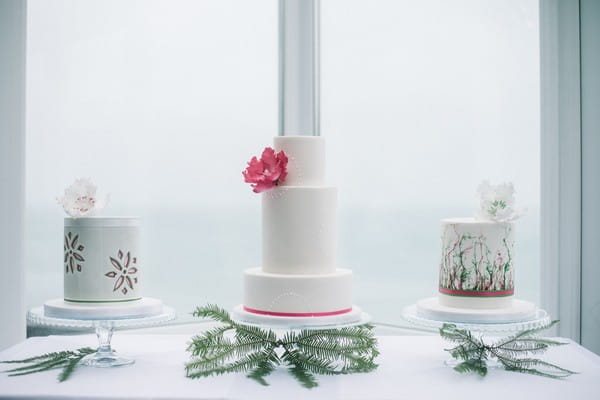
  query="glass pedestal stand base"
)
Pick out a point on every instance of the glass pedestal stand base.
point(484, 331)
point(105, 356)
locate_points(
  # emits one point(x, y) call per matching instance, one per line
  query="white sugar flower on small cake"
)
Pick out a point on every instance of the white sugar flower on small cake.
point(80, 199)
point(497, 202)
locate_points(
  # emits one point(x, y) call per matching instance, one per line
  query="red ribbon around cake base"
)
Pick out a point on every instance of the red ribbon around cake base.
point(473, 293)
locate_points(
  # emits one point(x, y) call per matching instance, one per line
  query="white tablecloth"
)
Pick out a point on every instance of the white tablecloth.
point(410, 367)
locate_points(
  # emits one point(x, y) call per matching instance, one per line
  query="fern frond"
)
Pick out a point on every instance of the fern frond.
point(528, 333)
point(472, 365)
point(357, 363)
point(310, 363)
point(213, 312)
point(69, 368)
point(252, 349)
point(531, 365)
point(48, 365)
point(303, 376)
point(509, 352)
point(344, 336)
point(202, 346)
point(265, 367)
point(518, 348)
point(54, 355)
point(211, 361)
point(254, 333)
point(66, 359)
point(243, 364)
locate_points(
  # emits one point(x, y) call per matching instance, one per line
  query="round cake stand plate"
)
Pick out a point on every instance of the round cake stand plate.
point(520, 310)
point(105, 356)
point(352, 318)
point(538, 319)
point(144, 307)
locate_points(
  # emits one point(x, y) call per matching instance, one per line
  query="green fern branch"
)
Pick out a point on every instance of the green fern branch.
point(512, 352)
point(67, 360)
point(235, 347)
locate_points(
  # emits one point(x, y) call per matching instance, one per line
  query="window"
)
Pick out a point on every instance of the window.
point(163, 102)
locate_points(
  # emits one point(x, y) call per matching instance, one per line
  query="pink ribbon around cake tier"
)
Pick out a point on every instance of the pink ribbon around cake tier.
point(472, 293)
point(286, 314)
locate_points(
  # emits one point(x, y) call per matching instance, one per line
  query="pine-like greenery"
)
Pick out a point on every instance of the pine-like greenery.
point(67, 360)
point(512, 353)
point(235, 347)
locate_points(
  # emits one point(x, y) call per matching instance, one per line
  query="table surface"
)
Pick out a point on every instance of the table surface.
point(410, 367)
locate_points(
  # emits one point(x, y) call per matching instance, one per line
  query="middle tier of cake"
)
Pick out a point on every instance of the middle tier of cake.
point(297, 295)
point(299, 230)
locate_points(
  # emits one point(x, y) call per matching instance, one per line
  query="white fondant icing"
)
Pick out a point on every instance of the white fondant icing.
point(299, 230)
point(297, 293)
point(306, 159)
point(89, 274)
point(477, 258)
point(476, 303)
point(58, 308)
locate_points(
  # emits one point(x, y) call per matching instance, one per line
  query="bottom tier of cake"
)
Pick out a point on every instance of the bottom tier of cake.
point(297, 295)
point(475, 302)
point(144, 307)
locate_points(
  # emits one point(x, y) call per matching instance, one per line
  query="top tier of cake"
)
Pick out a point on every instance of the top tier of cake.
point(306, 159)
point(101, 259)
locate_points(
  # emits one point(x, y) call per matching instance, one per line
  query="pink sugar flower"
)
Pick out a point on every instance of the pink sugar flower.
point(267, 172)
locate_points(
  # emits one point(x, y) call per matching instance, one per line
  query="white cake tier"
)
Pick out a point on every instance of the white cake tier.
point(101, 259)
point(297, 295)
point(475, 303)
point(306, 159)
point(299, 230)
point(476, 267)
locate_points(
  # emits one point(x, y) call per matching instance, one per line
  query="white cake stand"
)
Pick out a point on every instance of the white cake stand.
point(352, 318)
point(104, 356)
point(539, 319)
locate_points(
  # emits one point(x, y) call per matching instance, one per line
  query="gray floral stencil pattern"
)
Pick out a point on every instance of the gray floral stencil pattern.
point(125, 268)
point(73, 258)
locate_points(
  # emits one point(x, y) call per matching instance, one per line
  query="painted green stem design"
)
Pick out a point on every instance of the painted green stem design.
point(234, 347)
point(512, 353)
point(67, 360)
point(468, 264)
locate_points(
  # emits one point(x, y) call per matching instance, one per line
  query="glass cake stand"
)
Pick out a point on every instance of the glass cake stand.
point(105, 356)
point(539, 319)
point(485, 330)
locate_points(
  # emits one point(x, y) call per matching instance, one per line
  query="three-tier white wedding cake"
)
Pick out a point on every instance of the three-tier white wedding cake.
point(299, 275)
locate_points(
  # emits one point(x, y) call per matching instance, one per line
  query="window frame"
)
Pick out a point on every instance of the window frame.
point(563, 176)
